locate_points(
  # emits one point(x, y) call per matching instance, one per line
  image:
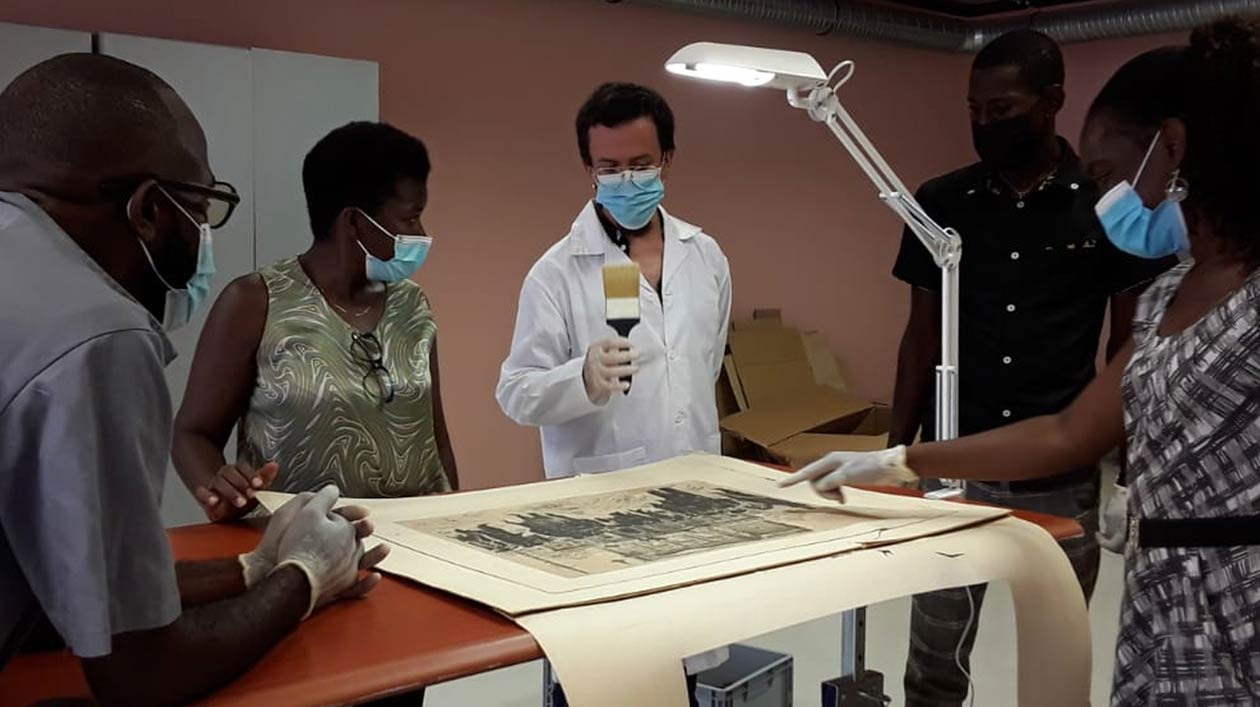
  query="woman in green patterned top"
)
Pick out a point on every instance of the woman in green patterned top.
point(326, 364)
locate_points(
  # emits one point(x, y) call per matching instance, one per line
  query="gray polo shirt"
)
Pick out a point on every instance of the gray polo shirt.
point(85, 429)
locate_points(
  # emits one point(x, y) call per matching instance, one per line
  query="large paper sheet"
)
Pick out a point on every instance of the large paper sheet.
point(626, 653)
point(595, 538)
point(620, 576)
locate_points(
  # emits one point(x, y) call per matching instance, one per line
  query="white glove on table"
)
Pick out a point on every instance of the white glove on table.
point(607, 362)
point(1114, 525)
point(838, 469)
point(325, 546)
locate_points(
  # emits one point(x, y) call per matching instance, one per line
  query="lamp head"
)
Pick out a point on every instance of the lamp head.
point(747, 66)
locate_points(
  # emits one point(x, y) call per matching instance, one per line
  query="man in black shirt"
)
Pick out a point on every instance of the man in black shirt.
point(1037, 276)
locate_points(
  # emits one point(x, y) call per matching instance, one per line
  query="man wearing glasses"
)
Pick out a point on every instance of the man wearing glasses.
point(564, 372)
point(106, 207)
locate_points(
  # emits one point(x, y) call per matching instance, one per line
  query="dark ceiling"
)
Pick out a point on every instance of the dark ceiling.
point(979, 8)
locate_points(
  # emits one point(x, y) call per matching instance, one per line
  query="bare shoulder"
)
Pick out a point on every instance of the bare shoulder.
point(248, 287)
point(247, 293)
point(242, 306)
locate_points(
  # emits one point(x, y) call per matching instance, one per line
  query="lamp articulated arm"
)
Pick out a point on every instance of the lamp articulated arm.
point(944, 244)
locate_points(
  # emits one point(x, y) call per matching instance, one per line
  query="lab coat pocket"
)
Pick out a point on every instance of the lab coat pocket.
point(610, 462)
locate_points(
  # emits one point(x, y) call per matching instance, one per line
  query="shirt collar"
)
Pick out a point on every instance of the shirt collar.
point(67, 247)
point(590, 237)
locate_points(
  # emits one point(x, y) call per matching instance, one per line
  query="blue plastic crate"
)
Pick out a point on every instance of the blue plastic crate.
point(751, 678)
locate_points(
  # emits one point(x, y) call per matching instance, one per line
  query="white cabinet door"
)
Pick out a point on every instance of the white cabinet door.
point(298, 98)
point(22, 47)
point(217, 85)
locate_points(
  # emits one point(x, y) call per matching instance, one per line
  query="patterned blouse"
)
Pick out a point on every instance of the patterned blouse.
point(1189, 623)
point(333, 405)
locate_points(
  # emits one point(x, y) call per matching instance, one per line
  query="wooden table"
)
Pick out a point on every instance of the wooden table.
point(401, 637)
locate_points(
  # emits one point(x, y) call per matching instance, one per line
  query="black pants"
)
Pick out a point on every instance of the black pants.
point(558, 699)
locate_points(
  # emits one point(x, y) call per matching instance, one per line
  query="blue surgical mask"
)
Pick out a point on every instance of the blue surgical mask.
point(181, 302)
point(410, 252)
point(631, 197)
point(1137, 230)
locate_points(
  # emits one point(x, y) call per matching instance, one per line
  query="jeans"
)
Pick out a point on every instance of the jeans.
point(938, 619)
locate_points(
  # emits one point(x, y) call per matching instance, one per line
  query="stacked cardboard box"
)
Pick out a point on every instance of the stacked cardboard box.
point(782, 398)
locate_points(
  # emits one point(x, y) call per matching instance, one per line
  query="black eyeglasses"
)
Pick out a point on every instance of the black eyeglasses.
point(378, 381)
point(216, 202)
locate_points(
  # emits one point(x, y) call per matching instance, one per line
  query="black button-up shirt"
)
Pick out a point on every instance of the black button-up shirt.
point(1036, 276)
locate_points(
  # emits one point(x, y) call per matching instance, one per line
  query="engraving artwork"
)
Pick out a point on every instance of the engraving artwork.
point(587, 535)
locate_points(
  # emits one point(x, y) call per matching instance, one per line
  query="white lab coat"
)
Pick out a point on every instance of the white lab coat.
point(671, 408)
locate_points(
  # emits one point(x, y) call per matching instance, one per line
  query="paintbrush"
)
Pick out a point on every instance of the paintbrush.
point(621, 300)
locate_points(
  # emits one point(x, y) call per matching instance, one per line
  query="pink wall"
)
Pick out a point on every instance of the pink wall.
point(493, 85)
point(1089, 66)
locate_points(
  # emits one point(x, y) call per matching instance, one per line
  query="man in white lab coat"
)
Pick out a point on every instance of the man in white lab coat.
point(564, 373)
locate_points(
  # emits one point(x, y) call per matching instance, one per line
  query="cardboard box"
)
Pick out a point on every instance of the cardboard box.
point(771, 362)
point(819, 410)
point(791, 399)
point(869, 435)
point(822, 362)
point(878, 422)
point(730, 394)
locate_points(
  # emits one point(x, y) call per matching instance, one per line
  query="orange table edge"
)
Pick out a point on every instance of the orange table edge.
point(401, 637)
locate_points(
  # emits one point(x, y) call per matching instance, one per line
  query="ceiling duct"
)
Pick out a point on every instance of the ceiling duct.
point(924, 29)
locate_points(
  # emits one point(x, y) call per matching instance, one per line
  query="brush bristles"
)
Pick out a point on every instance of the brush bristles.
point(621, 281)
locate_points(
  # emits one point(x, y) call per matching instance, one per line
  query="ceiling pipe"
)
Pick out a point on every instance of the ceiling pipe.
point(874, 21)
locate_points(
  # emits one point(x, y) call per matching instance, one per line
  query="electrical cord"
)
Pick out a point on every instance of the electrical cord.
point(958, 650)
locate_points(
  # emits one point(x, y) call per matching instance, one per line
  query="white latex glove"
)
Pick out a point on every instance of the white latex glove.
point(257, 564)
point(607, 362)
point(838, 469)
point(326, 547)
point(1114, 526)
